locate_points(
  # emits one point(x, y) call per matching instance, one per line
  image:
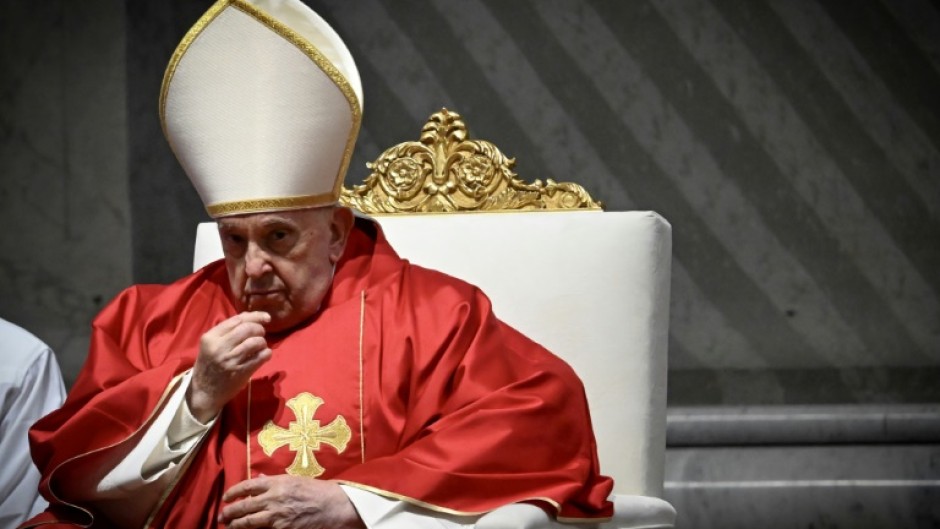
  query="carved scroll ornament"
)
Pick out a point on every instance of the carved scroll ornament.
point(444, 171)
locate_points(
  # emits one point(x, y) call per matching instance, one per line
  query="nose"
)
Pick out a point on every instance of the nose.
point(257, 261)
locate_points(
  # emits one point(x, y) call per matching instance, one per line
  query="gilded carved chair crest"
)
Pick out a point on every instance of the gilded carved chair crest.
point(445, 171)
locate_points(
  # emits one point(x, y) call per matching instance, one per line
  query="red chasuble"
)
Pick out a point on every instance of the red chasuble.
point(404, 384)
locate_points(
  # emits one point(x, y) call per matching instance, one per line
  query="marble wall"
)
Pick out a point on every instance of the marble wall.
point(798, 172)
point(803, 220)
point(65, 245)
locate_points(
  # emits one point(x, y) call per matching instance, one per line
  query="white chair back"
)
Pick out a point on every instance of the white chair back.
point(591, 286)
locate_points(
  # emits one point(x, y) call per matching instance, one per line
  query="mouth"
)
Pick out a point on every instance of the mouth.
point(260, 298)
point(263, 294)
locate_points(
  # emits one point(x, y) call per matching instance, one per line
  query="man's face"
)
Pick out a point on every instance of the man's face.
point(282, 263)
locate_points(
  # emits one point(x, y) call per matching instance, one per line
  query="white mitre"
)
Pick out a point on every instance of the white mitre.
point(261, 104)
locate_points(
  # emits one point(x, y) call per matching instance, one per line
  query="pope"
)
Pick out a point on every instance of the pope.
point(311, 378)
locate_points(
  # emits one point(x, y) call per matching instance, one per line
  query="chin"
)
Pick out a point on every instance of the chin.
point(277, 326)
point(277, 309)
point(284, 316)
point(285, 322)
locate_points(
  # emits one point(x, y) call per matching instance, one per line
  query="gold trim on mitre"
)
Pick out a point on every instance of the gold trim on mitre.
point(318, 58)
point(180, 50)
point(242, 207)
point(329, 69)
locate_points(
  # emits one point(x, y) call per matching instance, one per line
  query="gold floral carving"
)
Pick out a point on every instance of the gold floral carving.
point(445, 171)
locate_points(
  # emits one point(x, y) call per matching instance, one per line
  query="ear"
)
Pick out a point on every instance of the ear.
point(341, 223)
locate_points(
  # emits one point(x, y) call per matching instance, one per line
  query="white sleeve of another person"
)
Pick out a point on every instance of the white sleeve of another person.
point(30, 387)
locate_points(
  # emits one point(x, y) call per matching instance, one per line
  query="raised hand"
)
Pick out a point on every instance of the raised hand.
point(228, 355)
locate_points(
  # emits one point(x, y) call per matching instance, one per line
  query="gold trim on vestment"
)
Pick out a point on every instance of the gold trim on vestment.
point(248, 432)
point(564, 519)
point(339, 450)
point(454, 512)
point(160, 401)
point(362, 432)
point(413, 501)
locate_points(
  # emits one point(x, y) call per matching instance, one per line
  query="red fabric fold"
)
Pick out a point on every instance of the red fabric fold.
point(448, 406)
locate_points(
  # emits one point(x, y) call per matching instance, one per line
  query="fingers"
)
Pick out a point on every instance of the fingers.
point(242, 332)
point(243, 511)
point(287, 501)
point(236, 339)
point(240, 509)
point(255, 520)
point(249, 487)
point(240, 326)
point(244, 317)
point(247, 511)
point(228, 355)
point(245, 352)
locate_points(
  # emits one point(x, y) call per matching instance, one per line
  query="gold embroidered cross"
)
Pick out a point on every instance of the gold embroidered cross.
point(305, 435)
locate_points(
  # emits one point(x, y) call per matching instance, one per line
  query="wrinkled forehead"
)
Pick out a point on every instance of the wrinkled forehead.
point(300, 219)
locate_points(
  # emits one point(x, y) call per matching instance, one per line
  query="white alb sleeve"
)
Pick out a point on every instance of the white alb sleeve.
point(157, 455)
point(152, 464)
point(379, 512)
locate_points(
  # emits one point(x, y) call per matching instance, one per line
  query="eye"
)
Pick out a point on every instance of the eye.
point(232, 241)
point(233, 244)
point(281, 240)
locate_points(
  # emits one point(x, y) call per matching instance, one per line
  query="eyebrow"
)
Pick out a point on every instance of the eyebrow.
point(276, 221)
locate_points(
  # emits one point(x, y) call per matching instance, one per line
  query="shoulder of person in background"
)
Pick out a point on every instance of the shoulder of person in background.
point(30, 387)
